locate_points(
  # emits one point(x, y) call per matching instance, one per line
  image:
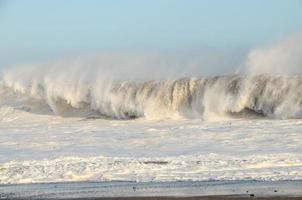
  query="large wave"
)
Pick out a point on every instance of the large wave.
point(126, 86)
point(259, 95)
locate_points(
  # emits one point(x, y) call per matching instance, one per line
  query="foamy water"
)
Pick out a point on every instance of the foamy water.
point(39, 148)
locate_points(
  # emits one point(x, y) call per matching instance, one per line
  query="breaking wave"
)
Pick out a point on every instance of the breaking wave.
point(231, 96)
point(148, 85)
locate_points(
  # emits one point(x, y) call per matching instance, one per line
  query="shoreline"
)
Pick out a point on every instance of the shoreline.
point(181, 190)
point(212, 197)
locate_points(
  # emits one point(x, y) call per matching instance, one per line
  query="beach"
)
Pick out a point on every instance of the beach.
point(156, 190)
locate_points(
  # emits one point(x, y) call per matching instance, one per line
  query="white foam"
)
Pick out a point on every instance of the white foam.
point(48, 148)
point(197, 168)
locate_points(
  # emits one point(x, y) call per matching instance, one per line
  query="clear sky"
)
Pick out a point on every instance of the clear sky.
point(35, 29)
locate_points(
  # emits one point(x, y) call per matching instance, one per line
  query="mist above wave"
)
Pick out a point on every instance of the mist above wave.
point(283, 57)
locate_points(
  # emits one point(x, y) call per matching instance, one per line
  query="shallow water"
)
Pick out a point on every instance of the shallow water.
point(47, 148)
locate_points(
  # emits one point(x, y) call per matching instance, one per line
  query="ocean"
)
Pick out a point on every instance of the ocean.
point(219, 128)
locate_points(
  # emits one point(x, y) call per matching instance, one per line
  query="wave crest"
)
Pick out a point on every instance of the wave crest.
point(261, 95)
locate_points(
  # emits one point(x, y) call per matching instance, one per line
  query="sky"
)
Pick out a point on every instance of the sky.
point(34, 30)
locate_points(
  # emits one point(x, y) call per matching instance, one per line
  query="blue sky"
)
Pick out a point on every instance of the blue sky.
point(34, 29)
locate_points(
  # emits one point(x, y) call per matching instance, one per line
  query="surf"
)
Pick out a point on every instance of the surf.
point(206, 97)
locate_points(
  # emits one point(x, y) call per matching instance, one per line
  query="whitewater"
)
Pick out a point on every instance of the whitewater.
point(246, 96)
point(63, 122)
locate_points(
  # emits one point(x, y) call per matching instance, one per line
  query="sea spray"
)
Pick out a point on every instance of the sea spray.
point(227, 96)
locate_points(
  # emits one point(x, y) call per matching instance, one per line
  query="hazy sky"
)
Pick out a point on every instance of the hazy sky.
point(34, 29)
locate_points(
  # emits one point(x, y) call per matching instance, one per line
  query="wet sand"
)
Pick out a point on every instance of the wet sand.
point(187, 190)
point(198, 198)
